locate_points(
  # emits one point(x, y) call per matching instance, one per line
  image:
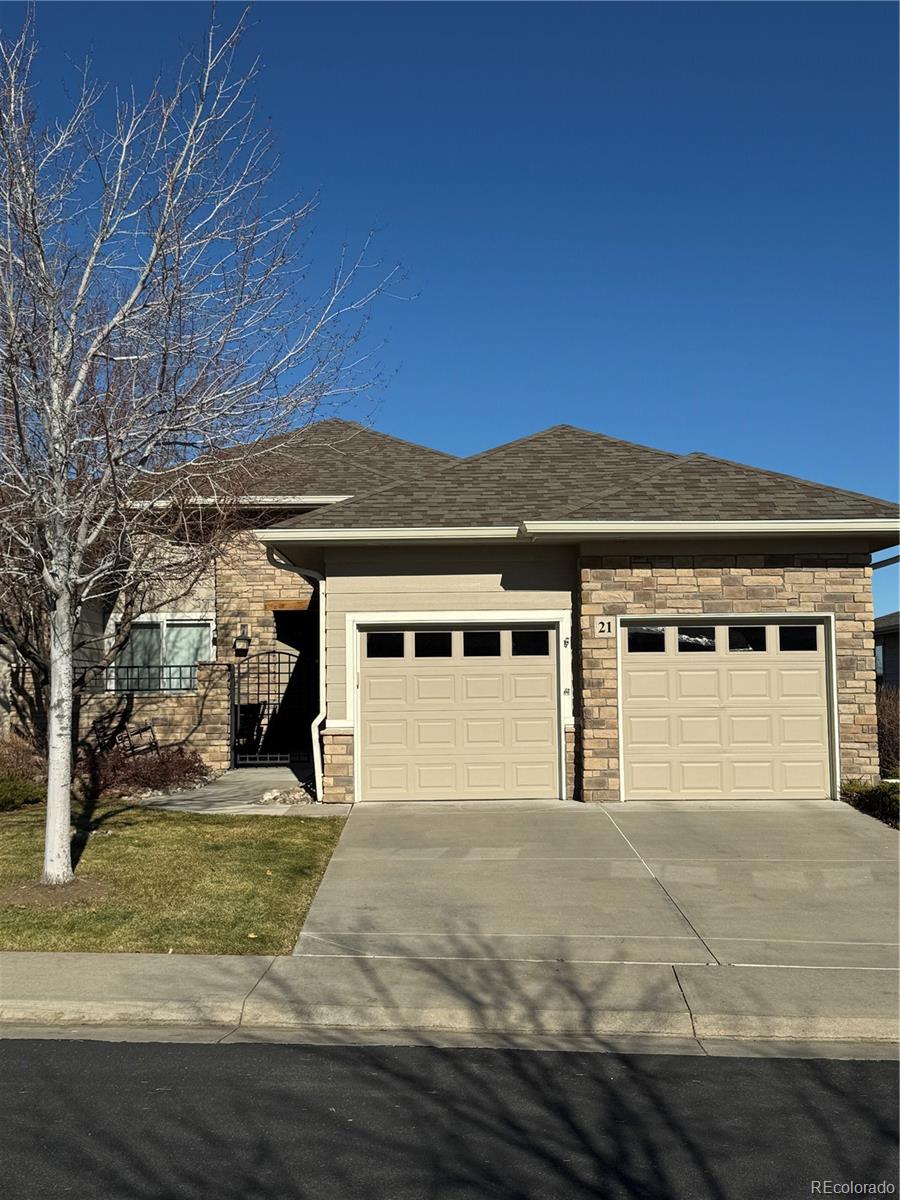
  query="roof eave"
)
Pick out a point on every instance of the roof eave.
point(311, 500)
point(397, 534)
point(577, 530)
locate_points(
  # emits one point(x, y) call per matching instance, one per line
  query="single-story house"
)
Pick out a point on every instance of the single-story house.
point(887, 650)
point(565, 616)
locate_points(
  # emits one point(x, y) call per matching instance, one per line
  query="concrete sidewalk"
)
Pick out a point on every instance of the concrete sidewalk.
point(491, 997)
point(241, 791)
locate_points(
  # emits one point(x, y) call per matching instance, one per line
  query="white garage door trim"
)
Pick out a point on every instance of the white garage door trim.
point(781, 618)
point(559, 619)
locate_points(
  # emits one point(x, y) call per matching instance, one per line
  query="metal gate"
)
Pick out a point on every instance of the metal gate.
point(267, 725)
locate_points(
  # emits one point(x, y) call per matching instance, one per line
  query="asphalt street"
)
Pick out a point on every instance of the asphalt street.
point(242, 1122)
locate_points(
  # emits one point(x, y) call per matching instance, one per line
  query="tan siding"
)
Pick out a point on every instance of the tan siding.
point(393, 579)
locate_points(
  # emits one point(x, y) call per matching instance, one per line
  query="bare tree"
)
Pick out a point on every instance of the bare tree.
point(152, 316)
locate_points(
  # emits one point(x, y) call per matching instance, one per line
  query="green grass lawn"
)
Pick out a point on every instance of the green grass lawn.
point(160, 881)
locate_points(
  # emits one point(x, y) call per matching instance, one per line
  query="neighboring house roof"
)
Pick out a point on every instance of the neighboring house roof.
point(889, 623)
point(566, 476)
point(332, 457)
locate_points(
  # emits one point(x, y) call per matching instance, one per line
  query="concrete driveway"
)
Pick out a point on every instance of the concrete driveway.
point(698, 920)
point(777, 884)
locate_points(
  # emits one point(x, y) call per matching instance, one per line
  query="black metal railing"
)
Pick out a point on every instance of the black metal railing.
point(151, 679)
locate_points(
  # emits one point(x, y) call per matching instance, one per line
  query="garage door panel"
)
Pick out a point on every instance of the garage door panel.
point(701, 777)
point(482, 688)
point(484, 776)
point(478, 732)
point(753, 776)
point(483, 726)
point(745, 729)
point(388, 778)
point(391, 735)
point(642, 683)
point(650, 778)
point(435, 777)
point(533, 733)
point(799, 729)
point(385, 689)
point(695, 730)
point(532, 687)
point(743, 684)
point(743, 723)
point(533, 776)
point(649, 731)
point(433, 689)
point(801, 777)
point(697, 685)
point(802, 683)
point(428, 734)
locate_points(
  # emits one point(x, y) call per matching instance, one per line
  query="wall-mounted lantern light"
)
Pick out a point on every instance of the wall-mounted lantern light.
point(241, 643)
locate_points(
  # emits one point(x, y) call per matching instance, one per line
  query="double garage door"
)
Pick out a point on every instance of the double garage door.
point(459, 714)
point(725, 711)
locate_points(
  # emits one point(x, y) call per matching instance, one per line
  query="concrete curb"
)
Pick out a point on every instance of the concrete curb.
point(175, 989)
point(486, 998)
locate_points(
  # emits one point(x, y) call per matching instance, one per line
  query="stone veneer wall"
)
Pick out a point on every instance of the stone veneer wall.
point(200, 719)
point(245, 580)
point(337, 766)
point(720, 583)
point(571, 765)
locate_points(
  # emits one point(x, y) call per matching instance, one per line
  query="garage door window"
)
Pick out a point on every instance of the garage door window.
point(481, 643)
point(434, 643)
point(743, 638)
point(384, 645)
point(797, 637)
point(694, 639)
point(646, 639)
point(530, 642)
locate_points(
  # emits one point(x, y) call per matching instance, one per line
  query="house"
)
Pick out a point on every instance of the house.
point(887, 650)
point(566, 615)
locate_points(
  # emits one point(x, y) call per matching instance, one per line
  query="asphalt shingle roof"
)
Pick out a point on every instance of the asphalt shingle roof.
point(566, 473)
point(331, 457)
point(699, 487)
point(538, 477)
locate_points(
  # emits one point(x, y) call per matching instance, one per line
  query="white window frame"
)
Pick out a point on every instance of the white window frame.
point(826, 620)
point(560, 619)
point(163, 619)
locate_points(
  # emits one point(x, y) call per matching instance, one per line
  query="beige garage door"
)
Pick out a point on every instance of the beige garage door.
point(458, 714)
point(726, 711)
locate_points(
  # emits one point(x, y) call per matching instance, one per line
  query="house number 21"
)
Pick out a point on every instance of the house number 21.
point(602, 626)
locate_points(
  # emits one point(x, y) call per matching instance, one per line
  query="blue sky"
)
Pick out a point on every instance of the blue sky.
point(674, 223)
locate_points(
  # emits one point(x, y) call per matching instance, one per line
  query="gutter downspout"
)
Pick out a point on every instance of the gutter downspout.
point(276, 560)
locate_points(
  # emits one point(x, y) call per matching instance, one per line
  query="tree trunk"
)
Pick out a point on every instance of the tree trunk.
point(57, 841)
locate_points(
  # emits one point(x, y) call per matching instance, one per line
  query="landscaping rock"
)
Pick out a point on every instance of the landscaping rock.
point(292, 796)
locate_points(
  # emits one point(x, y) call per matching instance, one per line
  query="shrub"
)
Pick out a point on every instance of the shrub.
point(879, 800)
point(172, 768)
point(16, 792)
point(18, 760)
point(887, 702)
